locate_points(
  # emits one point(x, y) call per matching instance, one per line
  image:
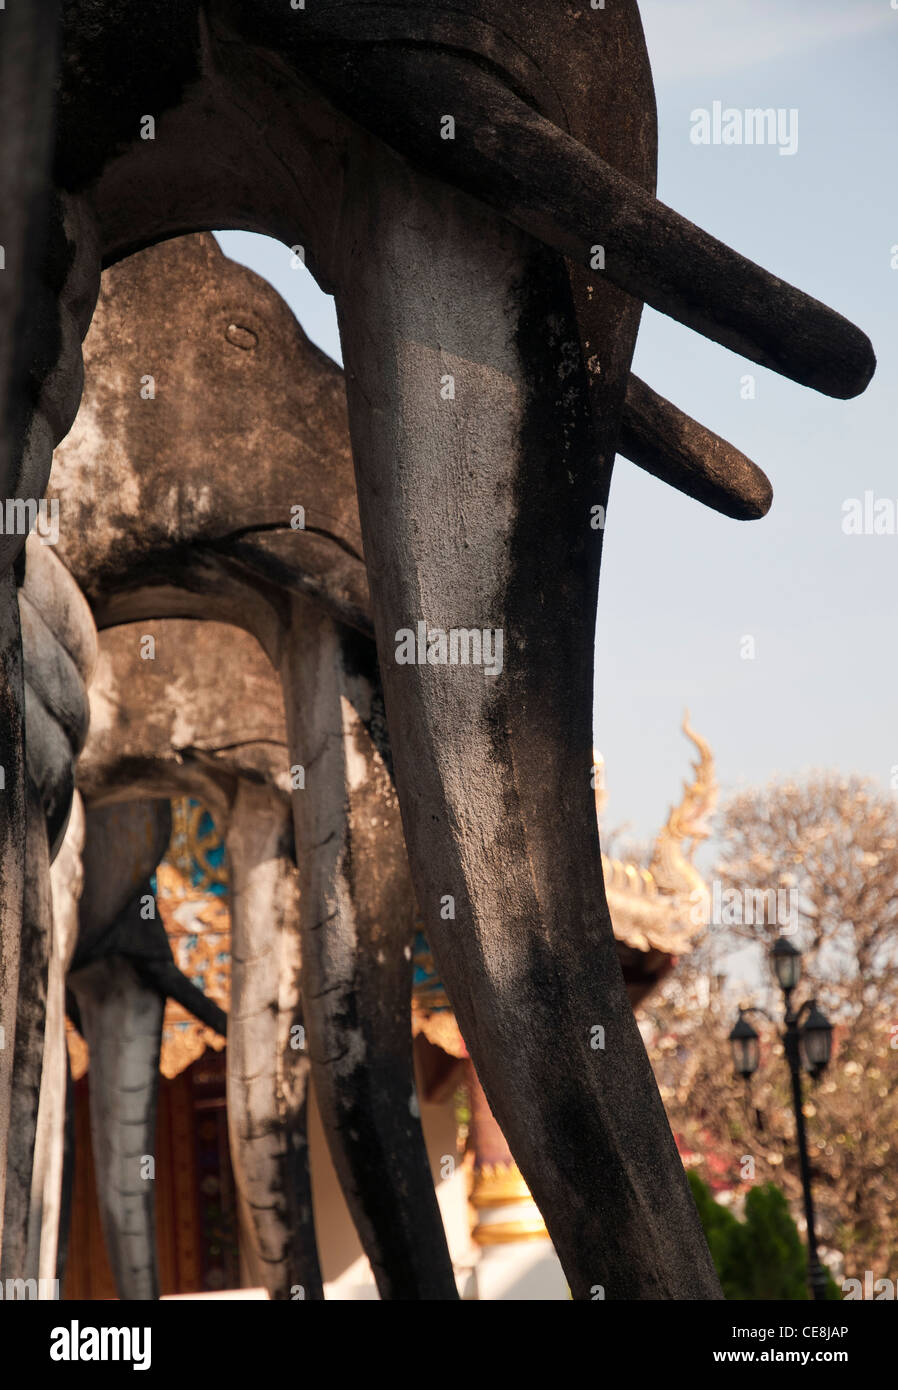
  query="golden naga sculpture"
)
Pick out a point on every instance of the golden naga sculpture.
point(662, 907)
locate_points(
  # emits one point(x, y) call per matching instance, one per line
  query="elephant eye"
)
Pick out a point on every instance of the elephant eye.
point(241, 337)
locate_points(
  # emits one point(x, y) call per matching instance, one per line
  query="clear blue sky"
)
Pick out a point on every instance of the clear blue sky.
point(682, 586)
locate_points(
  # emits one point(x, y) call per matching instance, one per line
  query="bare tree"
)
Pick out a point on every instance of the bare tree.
point(819, 861)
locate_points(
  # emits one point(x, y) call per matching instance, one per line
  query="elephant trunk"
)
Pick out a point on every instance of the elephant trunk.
point(267, 1062)
point(476, 452)
point(121, 1021)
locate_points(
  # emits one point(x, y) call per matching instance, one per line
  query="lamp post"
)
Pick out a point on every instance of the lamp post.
point(807, 1041)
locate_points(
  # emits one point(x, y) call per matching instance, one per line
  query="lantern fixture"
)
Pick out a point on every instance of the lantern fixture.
point(816, 1041)
point(746, 1047)
point(807, 1043)
point(786, 964)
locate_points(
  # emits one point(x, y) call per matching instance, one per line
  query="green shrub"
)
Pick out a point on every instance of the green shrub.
point(762, 1257)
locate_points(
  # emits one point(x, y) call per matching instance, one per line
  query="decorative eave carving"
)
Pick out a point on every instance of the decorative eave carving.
point(665, 906)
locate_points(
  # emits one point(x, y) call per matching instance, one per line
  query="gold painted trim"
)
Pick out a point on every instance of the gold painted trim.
point(510, 1232)
point(498, 1184)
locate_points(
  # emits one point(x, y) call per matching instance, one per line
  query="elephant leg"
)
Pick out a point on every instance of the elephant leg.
point(358, 923)
point(121, 1021)
point(12, 852)
point(47, 1174)
point(267, 1067)
point(29, 1041)
point(475, 510)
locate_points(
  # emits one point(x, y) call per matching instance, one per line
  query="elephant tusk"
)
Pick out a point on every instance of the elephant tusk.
point(357, 909)
point(171, 983)
point(658, 437)
point(268, 1074)
point(548, 183)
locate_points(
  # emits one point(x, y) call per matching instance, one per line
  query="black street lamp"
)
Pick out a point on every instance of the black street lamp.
point(807, 1041)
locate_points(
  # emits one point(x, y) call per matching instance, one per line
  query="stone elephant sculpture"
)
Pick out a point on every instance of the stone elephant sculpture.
point(476, 187)
point(237, 387)
point(180, 307)
point(120, 974)
point(169, 728)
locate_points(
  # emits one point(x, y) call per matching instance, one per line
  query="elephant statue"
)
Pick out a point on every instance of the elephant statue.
point(302, 592)
point(172, 727)
point(162, 542)
point(167, 728)
point(476, 187)
point(60, 647)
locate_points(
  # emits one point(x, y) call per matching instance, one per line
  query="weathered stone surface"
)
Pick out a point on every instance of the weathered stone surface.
point(237, 472)
point(48, 1214)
